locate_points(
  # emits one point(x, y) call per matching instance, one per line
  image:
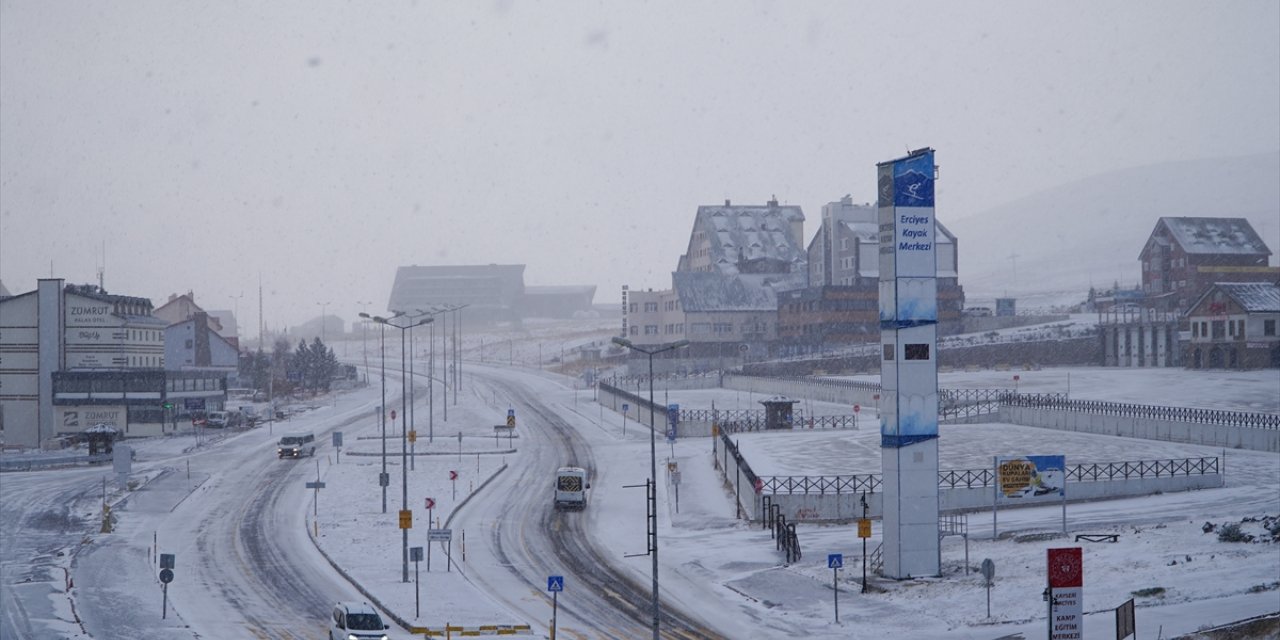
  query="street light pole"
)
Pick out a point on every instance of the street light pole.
point(364, 326)
point(382, 410)
point(404, 435)
point(653, 464)
point(323, 306)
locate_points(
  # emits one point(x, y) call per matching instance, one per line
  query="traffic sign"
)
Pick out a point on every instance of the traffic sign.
point(555, 583)
point(857, 408)
point(315, 485)
point(393, 414)
point(413, 435)
point(835, 560)
point(166, 560)
point(453, 475)
point(431, 503)
point(406, 519)
point(988, 569)
point(166, 575)
point(415, 554)
point(864, 528)
point(511, 421)
point(439, 535)
point(337, 438)
point(625, 407)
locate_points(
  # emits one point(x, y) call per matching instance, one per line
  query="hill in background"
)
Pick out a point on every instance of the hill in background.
point(1090, 232)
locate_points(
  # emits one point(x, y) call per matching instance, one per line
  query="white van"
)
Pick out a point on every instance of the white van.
point(358, 621)
point(571, 488)
point(296, 445)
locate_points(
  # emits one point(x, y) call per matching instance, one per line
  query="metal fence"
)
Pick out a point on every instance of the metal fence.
point(799, 421)
point(1153, 412)
point(980, 478)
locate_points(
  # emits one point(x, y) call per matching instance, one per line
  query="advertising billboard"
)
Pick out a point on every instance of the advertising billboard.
point(1023, 479)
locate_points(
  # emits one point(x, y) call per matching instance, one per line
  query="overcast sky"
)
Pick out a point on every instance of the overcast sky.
point(321, 145)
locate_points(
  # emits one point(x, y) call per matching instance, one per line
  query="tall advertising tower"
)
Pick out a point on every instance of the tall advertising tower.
point(909, 365)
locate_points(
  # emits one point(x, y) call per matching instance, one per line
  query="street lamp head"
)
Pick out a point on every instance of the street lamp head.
point(365, 315)
point(622, 342)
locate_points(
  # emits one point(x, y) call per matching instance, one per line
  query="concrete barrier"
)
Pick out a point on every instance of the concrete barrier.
point(1216, 435)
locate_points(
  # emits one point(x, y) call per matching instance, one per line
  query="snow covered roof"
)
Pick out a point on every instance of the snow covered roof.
point(1215, 235)
point(751, 233)
point(702, 291)
point(1253, 297)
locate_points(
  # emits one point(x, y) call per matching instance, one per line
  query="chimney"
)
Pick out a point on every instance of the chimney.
point(726, 202)
point(773, 203)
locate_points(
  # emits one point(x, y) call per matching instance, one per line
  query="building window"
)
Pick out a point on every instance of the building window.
point(633, 307)
point(650, 307)
point(1219, 329)
point(916, 352)
point(1268, 327)
point(700, 328)
point(722, 328)
point(651, 329)
point(635, 331)
point(888, 352)
point(1240, 329)
point(1195, 329)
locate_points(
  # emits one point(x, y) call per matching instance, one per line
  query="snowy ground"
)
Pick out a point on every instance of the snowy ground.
point(728, 572)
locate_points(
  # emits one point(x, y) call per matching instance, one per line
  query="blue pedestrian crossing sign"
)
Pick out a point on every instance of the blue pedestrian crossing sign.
point(835, 560)
point(555, 583)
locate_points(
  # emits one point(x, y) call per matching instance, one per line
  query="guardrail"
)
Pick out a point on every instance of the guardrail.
point(44, 462)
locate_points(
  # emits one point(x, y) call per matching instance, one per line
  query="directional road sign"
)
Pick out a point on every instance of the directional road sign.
point(431, 503)
point(555, 583)
point(835, 560)
point(166, 575)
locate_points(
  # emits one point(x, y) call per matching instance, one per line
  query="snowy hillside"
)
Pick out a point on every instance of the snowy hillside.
point(1052, 246)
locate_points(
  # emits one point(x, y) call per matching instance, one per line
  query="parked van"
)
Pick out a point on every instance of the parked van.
point(296, 445)
point(217, 419)
point(571, 488)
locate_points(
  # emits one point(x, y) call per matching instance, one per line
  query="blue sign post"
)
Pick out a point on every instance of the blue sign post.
point(834, 562)
point(555, 584)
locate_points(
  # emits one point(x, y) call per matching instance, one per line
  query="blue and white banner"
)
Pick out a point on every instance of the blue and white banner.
point(908, 291)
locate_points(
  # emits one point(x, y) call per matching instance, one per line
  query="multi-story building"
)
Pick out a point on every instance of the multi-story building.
point(57, 332)
point(193, 345)
point(1184, 256)
point(492, 293)
point(1233, 326)
point(840, 305)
